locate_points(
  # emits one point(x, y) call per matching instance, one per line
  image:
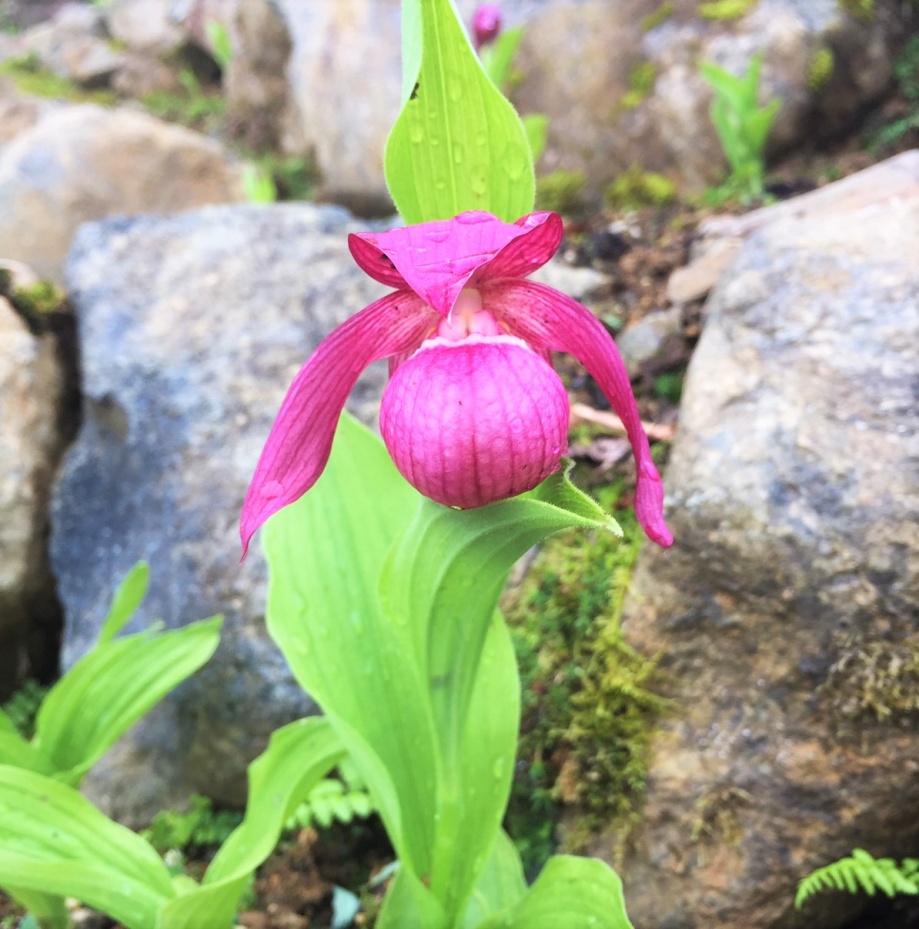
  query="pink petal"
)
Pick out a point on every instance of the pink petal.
point(300, 441)
point(437, 259)
point(548, 319)
point(524, 254)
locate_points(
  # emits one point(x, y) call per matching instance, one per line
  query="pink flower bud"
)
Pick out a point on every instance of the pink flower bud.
point(486, 24)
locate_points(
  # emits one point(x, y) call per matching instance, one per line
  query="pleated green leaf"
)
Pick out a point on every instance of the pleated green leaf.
point(501, 885)
point(53, 841)
point(409, 904)
point(45, 911)
point(128, 597)
point(111, 687)
point(458, 144)
point(325, 554)
point(442, 580)
point(298, 756)
point(17, 751)
point(570, 893)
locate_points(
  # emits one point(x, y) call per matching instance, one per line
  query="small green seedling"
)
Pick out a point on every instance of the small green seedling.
point(742, 126)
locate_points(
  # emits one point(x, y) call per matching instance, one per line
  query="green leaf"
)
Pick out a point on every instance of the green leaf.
point(297, 758)
point(442, 581)
point(570, 893)
point(53, 841)
point(458, 144)
point(537, 130)
point(501, 885)
point(128, 597)
point(498, 57)
point(18, 752)
point(445, 574)
point(45, 911)
point(410, 905)
point(111, 687)
point(325, 553)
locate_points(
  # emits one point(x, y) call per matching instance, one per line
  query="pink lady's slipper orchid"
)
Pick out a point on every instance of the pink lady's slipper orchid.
point(473, 411)
point(486, 24)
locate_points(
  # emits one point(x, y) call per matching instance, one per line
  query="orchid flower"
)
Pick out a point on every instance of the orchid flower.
point(486, 24)
point(473, 411)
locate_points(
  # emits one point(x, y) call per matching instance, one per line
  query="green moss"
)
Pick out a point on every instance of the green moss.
point(561, 191)
point(860, 9)
point(635, 188)
point(726, 9)
point(589, 707)
point(874, 680)
point(641, 83)
point(658, 17)
point(717, 816)
point(192, 106)
point(820, 68)
point(36, 304)
point(31, 78)
point(294, 178)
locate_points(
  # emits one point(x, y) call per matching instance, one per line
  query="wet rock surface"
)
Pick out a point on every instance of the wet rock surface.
point(191, 329)
point(35, 388)
point(785, 615)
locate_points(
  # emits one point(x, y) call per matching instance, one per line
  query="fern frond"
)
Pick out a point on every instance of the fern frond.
point(862, 872)
point(331, 801)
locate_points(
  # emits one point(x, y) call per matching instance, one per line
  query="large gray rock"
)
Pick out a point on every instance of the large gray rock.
point(192, 327)
point(621, 86)
point(34, 389)
point(84, 162)
point(787, 612)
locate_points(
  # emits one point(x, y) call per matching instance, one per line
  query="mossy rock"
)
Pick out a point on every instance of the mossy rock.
point(641, 82)
point(860, 9)
point(30, 77)
point(658, 17)
point(820, 68)
point(635, 188)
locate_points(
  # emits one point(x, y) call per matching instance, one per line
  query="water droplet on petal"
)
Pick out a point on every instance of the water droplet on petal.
point(438, 233)
point(271, 489)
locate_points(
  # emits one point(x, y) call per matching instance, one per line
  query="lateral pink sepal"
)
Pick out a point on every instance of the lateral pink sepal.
point(300, 440)
point(549, 320)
